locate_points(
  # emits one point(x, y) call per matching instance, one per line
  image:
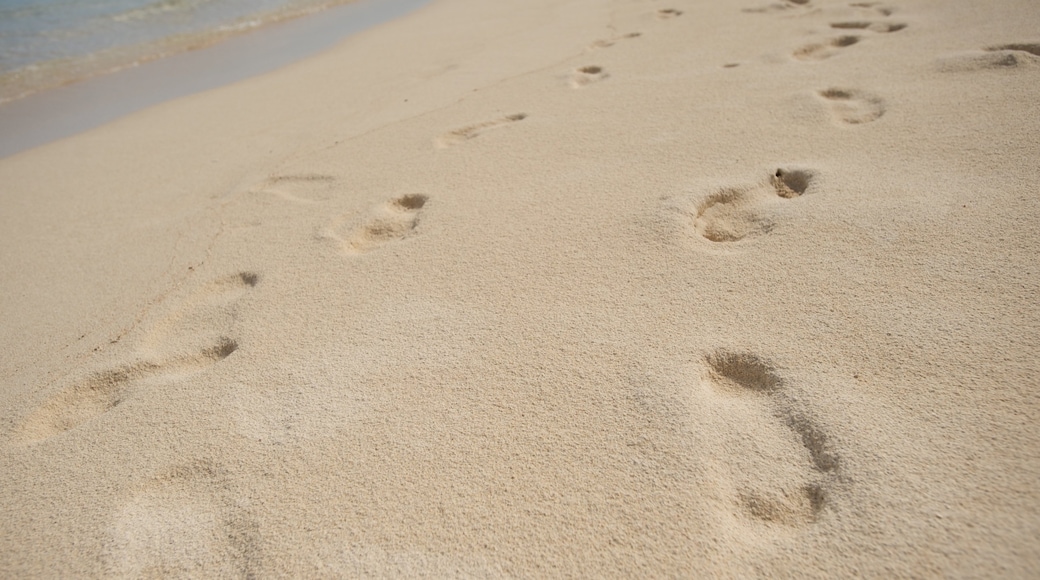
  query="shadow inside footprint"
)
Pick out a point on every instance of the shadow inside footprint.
point(880, 27)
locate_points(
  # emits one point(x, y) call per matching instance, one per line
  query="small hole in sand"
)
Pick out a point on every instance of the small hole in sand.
point(412, 201)
point(517, 117)
point(249, 278)
point(791, 183)
point(845, 40)
point(591, 70)
point(731, 65)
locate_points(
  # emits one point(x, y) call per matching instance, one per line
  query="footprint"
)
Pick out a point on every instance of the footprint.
point(1032, 48)
point(737, 213)
point(395, 219)
point(782, 474)
point(202, 319)
point(106, 390)
point(874, 7)
point(826, 49)
point(851, 106)
point(186, 522)
point(880, 27)
point(466, 133)
point(1001, 56)
point(665, 13)
point(586, 75)
point(194, 337)
point(612, 41)
point(778, 6)
point(297, 188)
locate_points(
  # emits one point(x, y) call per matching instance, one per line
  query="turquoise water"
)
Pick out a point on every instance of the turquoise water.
point(48, 43)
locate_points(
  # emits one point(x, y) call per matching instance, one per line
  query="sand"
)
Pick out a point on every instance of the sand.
point(544, 288)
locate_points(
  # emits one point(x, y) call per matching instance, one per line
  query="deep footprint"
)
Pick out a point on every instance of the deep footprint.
point(736, 213)
point(748, 384)
point(105, 391)
point(391, 221)
point(852, 106)
point(826, 49)
point(464, 134)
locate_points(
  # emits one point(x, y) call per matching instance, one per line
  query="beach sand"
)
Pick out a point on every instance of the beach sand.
point(544, 288)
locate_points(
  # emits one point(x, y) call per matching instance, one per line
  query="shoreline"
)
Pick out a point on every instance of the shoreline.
point(53, 114)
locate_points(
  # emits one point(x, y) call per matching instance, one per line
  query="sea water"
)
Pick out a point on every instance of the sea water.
point(49, 43)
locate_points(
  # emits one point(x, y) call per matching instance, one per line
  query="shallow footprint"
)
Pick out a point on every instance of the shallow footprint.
point(781, 475)
point(106, 390)
point(586, 75)
point(304, 188)
point(735, 213)
point(874, 7)
point(466, 133)
point(184, 523)
point(777, 6)
point(606, 43)
point(826, 49)
point(852, 106)
point(666, 13)
point(393, 220)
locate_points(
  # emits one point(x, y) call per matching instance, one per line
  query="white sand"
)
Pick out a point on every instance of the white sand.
point(439, 303)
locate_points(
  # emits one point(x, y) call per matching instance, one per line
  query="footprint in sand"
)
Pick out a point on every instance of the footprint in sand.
point(780, 461)
point(852, 106)
point(306, 188)
point(666, 13)
point(612, 41)
point(879, 27)
point(587, 75)
point(778, 6)
point(392, 220)
point(826, 49)
point(186, 522)
point(738, 213)
point(1001, 56)
point(466, 133)
point(195, 334)
point(875, 7)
